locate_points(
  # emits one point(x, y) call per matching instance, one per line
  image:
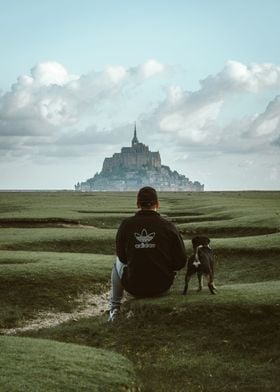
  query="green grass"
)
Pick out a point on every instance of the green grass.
point(36, 281)
point(225, 342)
point(69, 205)
point(258, 210)
point(245, 269)
point(262, 245)
point(40, 365)
point(58, 240)
point(197, 342)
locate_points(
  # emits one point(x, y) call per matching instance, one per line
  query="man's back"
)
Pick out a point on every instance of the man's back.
point(152, 249)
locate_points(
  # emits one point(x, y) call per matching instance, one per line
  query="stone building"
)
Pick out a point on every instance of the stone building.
point(134, 167)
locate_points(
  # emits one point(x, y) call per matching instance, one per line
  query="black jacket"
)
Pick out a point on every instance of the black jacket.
point(152, 249)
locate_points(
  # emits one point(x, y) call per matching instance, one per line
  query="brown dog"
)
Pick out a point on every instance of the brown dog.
point(201, 263)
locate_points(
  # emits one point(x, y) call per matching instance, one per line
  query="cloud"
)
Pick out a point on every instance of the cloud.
point(267, 125)
point(53, 107)
point(50, 73)
point(190, 119)
point(186, 117)
point(53, 112)
point(93, 136)
point(51, 99)
point(195, 118)
point(36, 104)
point(116, 73)
point(238, 77)
point(151, 68)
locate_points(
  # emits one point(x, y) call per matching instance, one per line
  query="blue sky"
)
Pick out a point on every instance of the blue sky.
point(201, 78)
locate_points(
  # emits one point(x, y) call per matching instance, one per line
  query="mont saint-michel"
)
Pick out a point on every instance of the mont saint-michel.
point(134, 167)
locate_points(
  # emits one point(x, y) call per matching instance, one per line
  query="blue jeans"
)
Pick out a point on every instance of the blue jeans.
point(117, 289)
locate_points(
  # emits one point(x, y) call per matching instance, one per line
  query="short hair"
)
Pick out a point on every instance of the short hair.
point(147, 197)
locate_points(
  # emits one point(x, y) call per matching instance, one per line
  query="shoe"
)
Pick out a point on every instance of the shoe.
point(113, 314)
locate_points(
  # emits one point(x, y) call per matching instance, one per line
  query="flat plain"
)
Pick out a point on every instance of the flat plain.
point(57, 248)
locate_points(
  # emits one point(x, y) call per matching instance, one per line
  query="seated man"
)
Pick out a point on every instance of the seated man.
point(149, 251)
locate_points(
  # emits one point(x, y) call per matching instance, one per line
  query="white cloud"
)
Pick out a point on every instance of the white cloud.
point(116, 73)
point(37, 104)
point(151, 68)
point(56, 111)
point(267, 125)
point(55, 108)
point(175, 94)
point(44, 107)
point(54, 97)
point(237, 77)
point(192, 125)
point(51, 73)
point(193, 118)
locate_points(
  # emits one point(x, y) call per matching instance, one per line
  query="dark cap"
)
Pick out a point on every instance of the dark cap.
point(147, 196)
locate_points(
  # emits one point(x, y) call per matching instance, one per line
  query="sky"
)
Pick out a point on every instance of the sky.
point(201, 79)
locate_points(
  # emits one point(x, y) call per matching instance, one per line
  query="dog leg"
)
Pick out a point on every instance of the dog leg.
point(187, 279)
point(200, 281)
point(211, 285)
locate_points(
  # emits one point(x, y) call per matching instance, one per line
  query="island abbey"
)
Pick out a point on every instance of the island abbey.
point(134, 167)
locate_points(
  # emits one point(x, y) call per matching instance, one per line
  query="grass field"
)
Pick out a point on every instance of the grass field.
point(56, 246)
point(34, 365)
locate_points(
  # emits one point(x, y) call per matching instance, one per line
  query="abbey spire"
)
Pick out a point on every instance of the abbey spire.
point(135, 139)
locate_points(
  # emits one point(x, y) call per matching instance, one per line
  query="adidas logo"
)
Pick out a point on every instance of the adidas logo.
point(144, 238)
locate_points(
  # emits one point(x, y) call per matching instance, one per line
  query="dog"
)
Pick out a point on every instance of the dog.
point(201, 263)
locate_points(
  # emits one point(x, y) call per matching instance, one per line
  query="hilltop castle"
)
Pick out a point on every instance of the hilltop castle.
point(134, 167)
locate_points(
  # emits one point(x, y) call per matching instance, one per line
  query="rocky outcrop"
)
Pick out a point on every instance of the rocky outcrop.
point(134, 167)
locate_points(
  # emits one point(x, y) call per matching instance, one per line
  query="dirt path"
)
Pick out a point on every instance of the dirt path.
point(89, 305)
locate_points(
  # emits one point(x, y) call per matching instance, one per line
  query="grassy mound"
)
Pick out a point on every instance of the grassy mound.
point(58, 240)
point(262, 245)
point(43, 365)
point(36, 281)
point(226, 342)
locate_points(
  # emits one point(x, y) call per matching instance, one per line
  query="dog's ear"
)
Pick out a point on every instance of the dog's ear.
point(195, 242)
point(200, 240)
point(205, 241)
